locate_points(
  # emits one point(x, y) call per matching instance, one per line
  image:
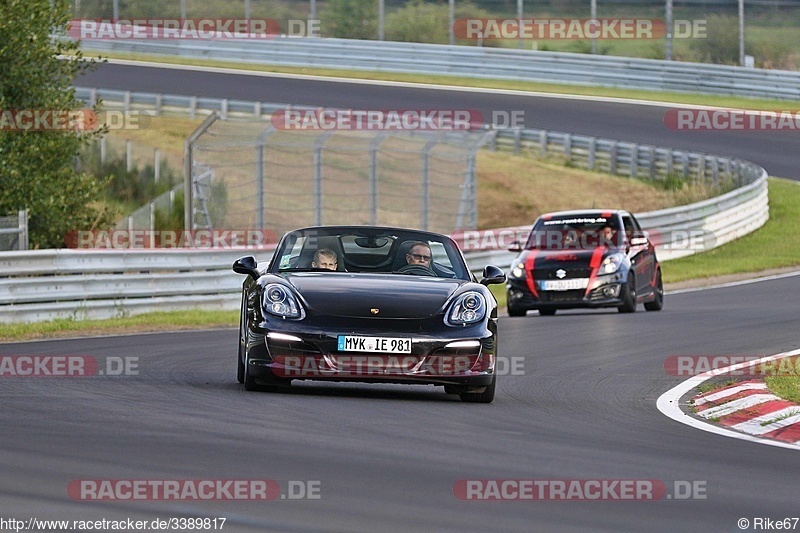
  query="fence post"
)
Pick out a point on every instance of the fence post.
point(517, 140)
point(426, 152)
point(158, 104)
point(634, 160)
point(543, 143)
point(257, 110)
point(670, 156)
point(612, 158)
point(126, 102)
point(260, 186)
point(568, 146)
point(23, 230)
point(152, 224)
point(156, 165)
point(192, 107)
point(592, 153)
point(224, 108)
point(103, 150)
point(373, 178)
point(652, 165)
point(128, 155)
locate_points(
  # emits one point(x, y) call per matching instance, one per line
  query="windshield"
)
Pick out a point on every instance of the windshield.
point(369, 250)
point(576, 233)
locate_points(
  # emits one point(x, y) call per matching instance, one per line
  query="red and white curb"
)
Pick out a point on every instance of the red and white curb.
point(745, 410)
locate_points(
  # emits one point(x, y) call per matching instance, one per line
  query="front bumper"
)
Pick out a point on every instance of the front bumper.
point(279, 351)
point(602, 291)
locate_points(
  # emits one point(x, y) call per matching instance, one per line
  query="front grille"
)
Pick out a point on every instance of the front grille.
point(550, 273)
point(561, 296)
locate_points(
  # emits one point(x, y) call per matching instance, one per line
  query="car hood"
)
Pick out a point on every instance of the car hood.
point(358, 295)
point(567, 259)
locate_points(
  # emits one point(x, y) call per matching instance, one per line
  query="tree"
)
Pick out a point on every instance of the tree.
point(350, 19)
point(37, 170)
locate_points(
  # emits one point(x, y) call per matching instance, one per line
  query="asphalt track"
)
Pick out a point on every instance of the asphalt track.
point(387, 456)
point(775, 151)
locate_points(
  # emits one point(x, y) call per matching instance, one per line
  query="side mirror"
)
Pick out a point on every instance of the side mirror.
point(247, 265)
point(640, 238)
point(515, 246)
point(493, 275)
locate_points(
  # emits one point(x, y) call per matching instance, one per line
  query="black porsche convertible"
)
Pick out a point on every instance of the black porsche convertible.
point(368, 304)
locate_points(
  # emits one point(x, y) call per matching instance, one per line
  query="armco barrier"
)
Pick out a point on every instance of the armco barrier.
point(43, 285)
point(475, 62)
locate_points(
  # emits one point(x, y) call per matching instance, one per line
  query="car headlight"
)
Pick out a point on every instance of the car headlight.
point(517, 270)
point(468, 308)
point(279, 301)
point(611, 263)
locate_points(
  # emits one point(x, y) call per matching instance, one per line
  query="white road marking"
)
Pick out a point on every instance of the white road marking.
point(757, 425)
point(729, 392)
point(737, 405)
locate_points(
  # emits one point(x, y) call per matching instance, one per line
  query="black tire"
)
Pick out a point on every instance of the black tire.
point(250, 382)
point(547, 312)
point(486, 396)
point(658, 301)
point(515, 311)
point(240, 349)
point(628, 295)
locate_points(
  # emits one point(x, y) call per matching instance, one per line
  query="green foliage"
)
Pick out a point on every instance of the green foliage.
point(350, 19)
point(36, 167)
point(137, 186)
point(721, 44)
point(425, 22)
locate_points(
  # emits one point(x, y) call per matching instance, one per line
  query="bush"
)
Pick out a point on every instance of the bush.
point(350, 19)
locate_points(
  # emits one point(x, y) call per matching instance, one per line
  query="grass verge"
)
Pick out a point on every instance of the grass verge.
point(772, 246)
point(786, 381)
point(148, 322)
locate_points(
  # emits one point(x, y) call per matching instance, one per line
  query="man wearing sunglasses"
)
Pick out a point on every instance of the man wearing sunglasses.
point(419, 254)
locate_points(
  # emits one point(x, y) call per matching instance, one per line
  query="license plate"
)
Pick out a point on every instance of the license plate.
point(356, 343)
point(564, 284)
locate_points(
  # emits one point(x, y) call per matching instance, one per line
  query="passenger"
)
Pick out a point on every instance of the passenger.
point(325, 258)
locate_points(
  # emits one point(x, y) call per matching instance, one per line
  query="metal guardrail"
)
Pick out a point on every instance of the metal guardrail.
point(476, 62)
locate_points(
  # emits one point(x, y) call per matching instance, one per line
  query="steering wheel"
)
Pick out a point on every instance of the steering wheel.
point(416, 270)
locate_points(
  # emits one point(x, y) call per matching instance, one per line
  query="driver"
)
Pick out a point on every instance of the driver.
point(419, 254)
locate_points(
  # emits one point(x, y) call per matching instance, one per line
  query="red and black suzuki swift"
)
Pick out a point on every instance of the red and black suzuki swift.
point(591, 258)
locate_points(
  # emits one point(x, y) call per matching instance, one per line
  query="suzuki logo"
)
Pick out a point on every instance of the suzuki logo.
point(561, 273)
